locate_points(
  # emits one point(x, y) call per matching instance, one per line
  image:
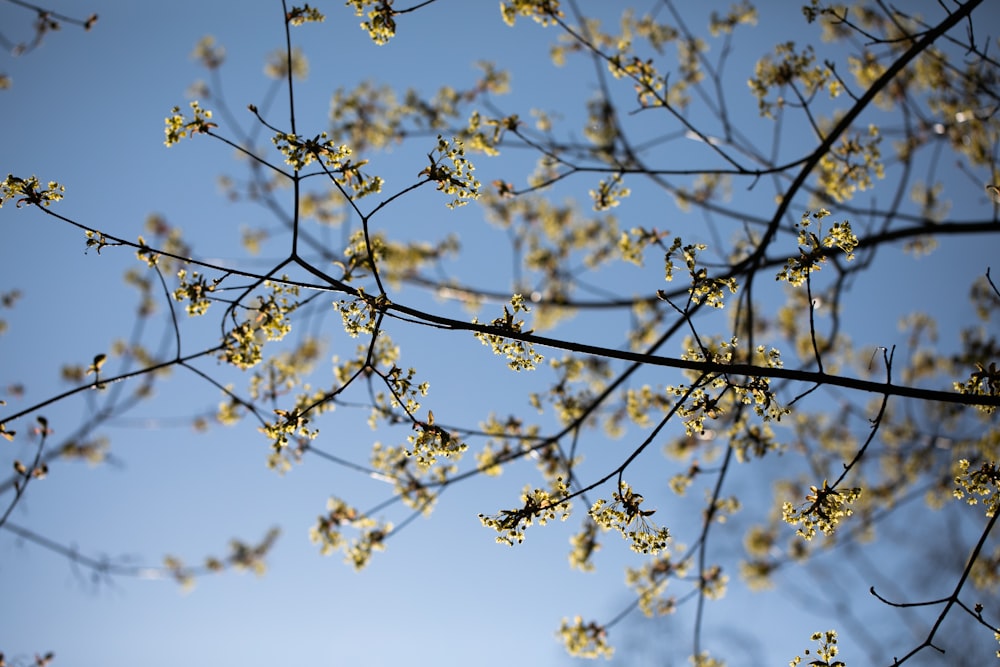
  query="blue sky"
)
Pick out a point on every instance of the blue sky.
point(87, 109)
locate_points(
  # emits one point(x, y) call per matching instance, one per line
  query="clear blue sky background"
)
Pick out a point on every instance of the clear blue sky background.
point(87, 109)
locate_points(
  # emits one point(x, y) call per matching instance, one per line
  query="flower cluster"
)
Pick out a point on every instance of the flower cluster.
point(432, 441)
point(289, 423)
point(850, 164)
point(393, 464)
point(455, 179)
point(487, 141)
point(360, 314)
point(813, 250)
point(242, 349)
point(195, 290)
point(273, 310)
point(713, 582)
point(650, 583)
point(633, 243)
point(984, 381)
point(299, 152)
point(327, 533)
point(29, 191)
point(244, 342)
point(539, 505)
point(585, 545)
point(582, 640)
point(609, 193)
point(179, 127)
point(381, 27)
point(521, 355)
point(743, 13)
point(975, 484)
point(824, 510)
point(789, 68)
point(542, 11)
point(304, 14)
point(703, 288)
point(279, 64)
point(648, 81)
point(825, 653)
point(208, 53)
point(624, 515)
